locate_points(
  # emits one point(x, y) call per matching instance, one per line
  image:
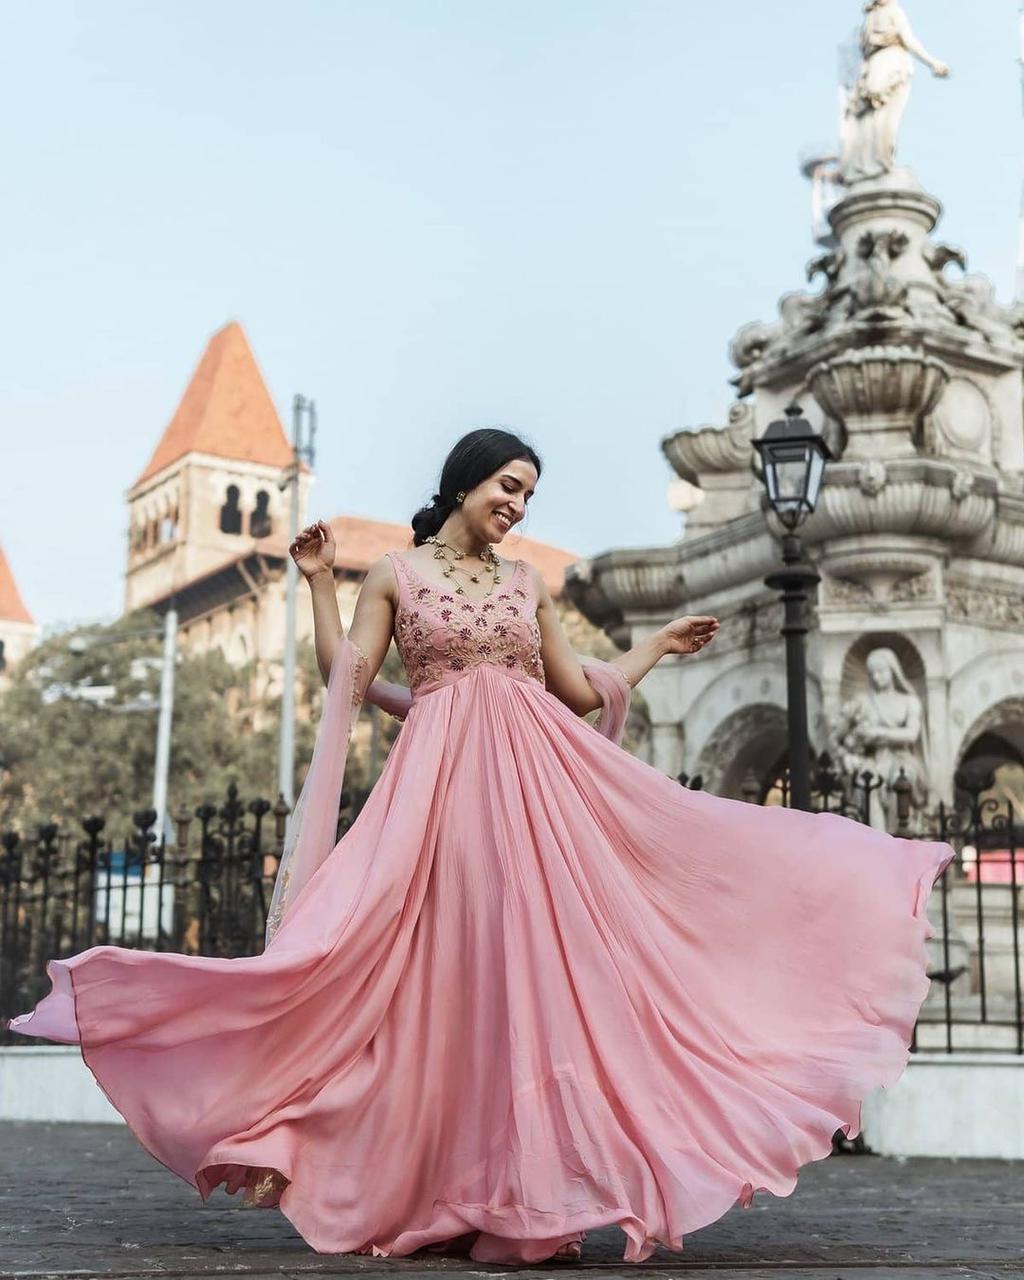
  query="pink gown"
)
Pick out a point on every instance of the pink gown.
point(538, 987)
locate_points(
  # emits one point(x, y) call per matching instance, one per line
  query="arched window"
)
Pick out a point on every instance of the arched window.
point(230, 514)
point(259, 517)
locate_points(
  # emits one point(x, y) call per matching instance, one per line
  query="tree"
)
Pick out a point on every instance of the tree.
point(64, 756)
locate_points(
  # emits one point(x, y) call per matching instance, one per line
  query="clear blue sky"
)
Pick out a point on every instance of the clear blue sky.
point(430, 215)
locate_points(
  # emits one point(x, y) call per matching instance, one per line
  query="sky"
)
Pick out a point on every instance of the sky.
point(429, 215)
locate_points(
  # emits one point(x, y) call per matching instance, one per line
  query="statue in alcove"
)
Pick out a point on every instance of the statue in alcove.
point(881, 732)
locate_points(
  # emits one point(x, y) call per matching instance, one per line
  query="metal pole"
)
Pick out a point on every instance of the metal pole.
point(794, 581)
point(162, 767)
point(286, 755)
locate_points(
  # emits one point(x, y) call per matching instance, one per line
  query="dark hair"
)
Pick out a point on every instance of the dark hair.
point(471, 460)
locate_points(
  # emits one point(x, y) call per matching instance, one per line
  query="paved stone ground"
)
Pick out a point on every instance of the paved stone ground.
point(86, 1200)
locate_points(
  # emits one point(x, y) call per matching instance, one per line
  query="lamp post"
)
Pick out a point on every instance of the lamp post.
point(793, 458)
point(303, 441)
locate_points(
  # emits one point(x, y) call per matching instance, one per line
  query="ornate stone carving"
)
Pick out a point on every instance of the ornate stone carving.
point(984, 604)
point(753, 625)
point(971, 302)
point(879, 391)
point(872, 477)
point(961, 421)
point(713, 449)
point(917, 500)
point(877, 581)
point(881, 731)
point(915, 590)
point(880, 93)
point(939, 257)
point(830, 265)
point(875, 289)
point(847, 592)
point(961, 486)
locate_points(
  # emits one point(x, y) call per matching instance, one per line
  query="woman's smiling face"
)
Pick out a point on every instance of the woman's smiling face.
point(499, 502)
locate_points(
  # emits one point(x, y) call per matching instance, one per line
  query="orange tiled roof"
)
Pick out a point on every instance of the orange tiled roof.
point(226, 410)
point(12, 607)
point(362, 541)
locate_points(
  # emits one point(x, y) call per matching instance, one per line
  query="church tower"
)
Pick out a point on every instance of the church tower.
point(18, 630)
point(209, 493)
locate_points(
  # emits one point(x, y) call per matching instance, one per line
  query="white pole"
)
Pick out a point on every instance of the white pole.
point(286, 754)
point(162, 766)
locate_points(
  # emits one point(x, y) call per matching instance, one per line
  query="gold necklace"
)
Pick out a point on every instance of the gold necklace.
point(490, 562)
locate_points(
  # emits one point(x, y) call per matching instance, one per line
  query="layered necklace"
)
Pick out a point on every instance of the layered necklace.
point(449, 555)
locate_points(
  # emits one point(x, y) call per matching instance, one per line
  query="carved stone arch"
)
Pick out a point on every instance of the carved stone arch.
point(986, 693)
point(751, 740)
point(755, 683)
point(992, 751)
point(996, 736)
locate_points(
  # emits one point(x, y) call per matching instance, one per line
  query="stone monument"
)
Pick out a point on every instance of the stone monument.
point(879, 96)
point(913, 372)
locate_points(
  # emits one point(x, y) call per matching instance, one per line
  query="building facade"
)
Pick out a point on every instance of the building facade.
point(208, 521)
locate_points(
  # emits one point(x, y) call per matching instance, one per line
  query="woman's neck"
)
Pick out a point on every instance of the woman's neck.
point(455, 534)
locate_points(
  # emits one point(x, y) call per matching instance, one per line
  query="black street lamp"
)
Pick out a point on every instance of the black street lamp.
point(793, 458)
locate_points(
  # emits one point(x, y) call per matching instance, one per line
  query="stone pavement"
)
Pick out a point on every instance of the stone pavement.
point(86, 1200)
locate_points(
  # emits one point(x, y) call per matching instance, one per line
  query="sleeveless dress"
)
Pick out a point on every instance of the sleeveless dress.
point(537, 988)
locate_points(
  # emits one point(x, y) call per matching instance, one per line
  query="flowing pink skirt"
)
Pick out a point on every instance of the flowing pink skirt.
point(537, 988)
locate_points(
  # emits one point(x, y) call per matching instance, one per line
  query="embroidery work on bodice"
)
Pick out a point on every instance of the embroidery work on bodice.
point(440, 634)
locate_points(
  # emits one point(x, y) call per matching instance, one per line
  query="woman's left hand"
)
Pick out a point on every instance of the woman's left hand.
point(689, 634)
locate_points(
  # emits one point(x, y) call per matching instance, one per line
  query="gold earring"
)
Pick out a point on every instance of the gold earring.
point(460, 497)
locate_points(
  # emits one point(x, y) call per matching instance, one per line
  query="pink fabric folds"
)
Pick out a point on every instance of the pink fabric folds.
point(312, 830)
point(614, 691)
point(607, 681)
point(537, 988)
point(311, 833)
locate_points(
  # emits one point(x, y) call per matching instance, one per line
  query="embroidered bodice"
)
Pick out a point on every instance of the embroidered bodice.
point(441, 634)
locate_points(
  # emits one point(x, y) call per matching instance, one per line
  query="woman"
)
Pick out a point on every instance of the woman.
point(538, 987)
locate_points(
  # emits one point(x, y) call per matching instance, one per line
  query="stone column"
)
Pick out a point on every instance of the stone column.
point(667, 747)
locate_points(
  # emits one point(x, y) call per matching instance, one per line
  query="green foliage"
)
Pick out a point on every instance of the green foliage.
point(63, 757)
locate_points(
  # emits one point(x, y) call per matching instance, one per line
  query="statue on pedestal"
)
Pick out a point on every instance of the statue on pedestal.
point(881, 732)
point(879, 96)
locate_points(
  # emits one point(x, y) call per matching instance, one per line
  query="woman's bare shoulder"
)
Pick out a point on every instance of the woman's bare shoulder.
point(540, 588)
point(380, 579)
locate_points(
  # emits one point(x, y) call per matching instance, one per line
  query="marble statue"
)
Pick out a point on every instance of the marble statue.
point(882, 732)
point(879, 96)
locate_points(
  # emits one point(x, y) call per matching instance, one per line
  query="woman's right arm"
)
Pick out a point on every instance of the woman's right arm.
point(313, 552)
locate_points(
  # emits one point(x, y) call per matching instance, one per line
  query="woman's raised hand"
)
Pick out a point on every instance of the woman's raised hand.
point(314, 549)
point(689, 634)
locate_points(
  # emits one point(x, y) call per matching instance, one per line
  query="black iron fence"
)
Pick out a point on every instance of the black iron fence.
point(63, 889)
point(205, 893)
